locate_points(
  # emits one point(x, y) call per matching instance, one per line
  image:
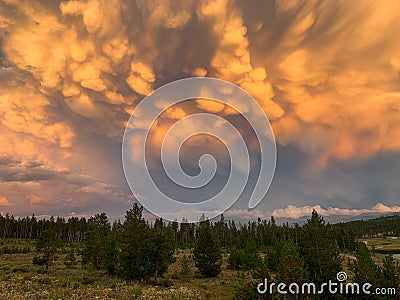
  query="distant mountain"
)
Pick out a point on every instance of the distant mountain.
point(333, 219)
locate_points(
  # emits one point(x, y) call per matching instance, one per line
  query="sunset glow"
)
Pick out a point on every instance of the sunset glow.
point(326, 73)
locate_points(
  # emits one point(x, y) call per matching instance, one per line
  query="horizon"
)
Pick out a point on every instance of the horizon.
point(280, 220)
point(327, 76)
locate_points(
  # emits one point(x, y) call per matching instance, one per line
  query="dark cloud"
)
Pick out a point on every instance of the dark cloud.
point(352, 184)
point(12, 170)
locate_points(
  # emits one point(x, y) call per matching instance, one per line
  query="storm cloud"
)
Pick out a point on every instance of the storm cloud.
point(326, 74)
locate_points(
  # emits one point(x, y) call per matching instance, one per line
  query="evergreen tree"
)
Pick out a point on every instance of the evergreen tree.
point(95, 241)
point(46, 247)
point(235, 258)
point(291, 267)
point(109, 252)
point(391, 272)
point(185, 267)
point(163, 247)
point(364, 268)
point(246, 258)
point(220, 229)
point(136, 261)
point(320, 250)
point(262, 271)
point(206, 252)
point(251, 256)
point(271, 257)
point(70, 259)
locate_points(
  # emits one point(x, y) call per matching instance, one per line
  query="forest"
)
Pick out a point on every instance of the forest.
point(142, 252)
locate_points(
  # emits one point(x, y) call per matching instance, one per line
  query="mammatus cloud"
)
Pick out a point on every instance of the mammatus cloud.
point(315, 81)
point(326, 73)
point(341, 100)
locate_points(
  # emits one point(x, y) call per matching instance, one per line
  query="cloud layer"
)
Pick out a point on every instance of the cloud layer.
point(295, 212)
point(326, 73)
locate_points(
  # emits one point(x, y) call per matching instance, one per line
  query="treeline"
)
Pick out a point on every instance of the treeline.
point(261, 233)
point(138, 250)
point(383, 226)
point(72, 230)
point(228, 233)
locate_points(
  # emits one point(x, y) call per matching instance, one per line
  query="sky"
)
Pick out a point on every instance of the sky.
point(326, 73)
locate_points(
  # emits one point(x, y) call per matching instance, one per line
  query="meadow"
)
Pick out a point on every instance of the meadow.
point(20, 279)
point(93, 259)
point(383, 244)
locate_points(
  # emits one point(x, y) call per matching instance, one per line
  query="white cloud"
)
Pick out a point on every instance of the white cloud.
point(295, 212)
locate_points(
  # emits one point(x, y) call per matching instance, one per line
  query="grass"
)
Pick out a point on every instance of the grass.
point(383, 244)
point(20, 279)
point(222, 287)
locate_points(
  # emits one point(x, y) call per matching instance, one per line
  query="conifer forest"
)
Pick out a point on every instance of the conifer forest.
point(135, 258)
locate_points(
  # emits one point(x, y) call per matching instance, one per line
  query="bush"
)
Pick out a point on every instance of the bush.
point(135, 291)
point(185, 268)
point(6, 250)
point(75, 284)
point(70, 259)
point(88, 280)
point(247, 291)
point(20, 270)
point(44, 280)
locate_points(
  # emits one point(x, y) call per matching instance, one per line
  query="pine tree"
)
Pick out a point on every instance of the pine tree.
point(206, 252)
point(220, 229)
point(234, 259)
point(291, 267)
point(163, 247)
point(246, 258)
point(251, 256)
point(271, 257)
point(364, 268)
point(185, 267)
point(70, 259)
point(95, 241)
point(136, 259)
point(46, 247)
point(109, 252)
point(391, 272)
point(320, 250)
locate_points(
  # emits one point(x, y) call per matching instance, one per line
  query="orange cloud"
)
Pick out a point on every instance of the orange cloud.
point(232, 59)
point(326, 73)
point(210, 106)
point(316, 79)
point(26, 125)
point(34, 199)
point(330, 86)
point(4, 201)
